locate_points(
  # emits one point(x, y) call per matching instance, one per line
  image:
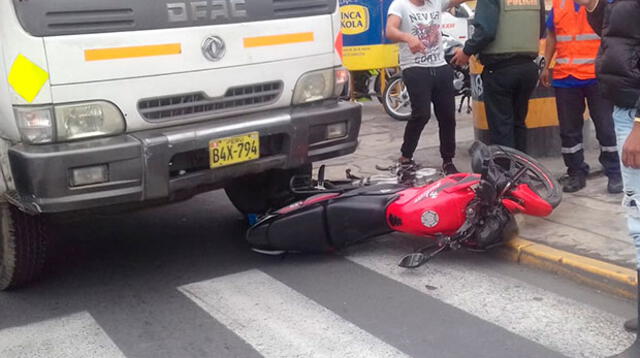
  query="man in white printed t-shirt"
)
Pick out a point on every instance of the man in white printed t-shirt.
point(415, 24)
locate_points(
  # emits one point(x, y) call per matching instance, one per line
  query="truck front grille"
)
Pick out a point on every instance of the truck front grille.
point(198, 105)
point(291, 8)
point(103, 19)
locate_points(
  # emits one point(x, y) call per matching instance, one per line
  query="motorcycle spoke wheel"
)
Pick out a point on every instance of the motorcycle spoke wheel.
point(396, 99)
point(536, 176)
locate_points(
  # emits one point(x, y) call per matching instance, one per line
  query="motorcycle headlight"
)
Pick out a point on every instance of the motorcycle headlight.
point(318, 85)
point(68, 122)
point(91, 119)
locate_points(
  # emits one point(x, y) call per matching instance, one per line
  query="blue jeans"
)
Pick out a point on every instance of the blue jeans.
point(623, 121)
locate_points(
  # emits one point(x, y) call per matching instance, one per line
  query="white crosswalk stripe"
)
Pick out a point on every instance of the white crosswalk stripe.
point(280, 322)
point(561, 324)
point(77, 335)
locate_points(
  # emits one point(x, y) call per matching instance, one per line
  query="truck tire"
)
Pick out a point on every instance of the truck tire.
point(257, 193)
point(23, 247)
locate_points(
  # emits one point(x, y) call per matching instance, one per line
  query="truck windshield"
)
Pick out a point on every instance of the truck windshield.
point(65, 17)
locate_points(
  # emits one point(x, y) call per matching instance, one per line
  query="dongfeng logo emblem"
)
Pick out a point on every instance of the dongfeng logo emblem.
point(213, 48)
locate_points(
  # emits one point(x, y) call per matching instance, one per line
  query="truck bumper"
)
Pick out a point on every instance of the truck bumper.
point(163, 164)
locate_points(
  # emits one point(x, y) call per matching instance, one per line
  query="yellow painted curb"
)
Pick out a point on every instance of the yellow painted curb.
point(603, 275)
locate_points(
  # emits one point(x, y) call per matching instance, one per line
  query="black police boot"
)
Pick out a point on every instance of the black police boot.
point(634, 350)
point(574, 183)
point(614, 186)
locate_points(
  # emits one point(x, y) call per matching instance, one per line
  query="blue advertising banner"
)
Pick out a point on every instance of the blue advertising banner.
point(364, 44)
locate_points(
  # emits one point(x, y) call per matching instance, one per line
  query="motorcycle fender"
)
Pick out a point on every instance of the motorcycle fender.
point(531, 202)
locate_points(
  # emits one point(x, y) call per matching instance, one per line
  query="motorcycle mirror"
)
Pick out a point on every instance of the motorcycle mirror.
point(413, 260)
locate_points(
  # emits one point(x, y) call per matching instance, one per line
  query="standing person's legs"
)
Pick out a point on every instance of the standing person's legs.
point(419, 83)
point(623, 120)
point(570, 103)
point(444, 106)
point(601, 111)
point(526, 75)
point(498, 106)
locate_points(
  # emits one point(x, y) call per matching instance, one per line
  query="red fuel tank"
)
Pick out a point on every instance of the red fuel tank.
point(434, 209)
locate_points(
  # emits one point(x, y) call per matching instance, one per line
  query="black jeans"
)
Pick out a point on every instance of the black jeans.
point(428, 85)
point(506, 92)
point(571, 105)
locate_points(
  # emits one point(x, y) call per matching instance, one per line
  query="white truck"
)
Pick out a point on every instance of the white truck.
point(130, 103)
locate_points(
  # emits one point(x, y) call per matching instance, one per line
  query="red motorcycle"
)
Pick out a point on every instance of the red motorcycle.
point(465, 210)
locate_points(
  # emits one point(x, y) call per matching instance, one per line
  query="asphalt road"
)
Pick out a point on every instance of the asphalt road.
point(179, 281)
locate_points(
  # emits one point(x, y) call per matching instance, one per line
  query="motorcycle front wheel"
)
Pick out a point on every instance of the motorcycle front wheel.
point(396, 99)
point(536, 176)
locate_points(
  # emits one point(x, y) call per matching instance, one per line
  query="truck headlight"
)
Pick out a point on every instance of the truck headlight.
point(318, 85)
point(91, 119)
point(68, 121)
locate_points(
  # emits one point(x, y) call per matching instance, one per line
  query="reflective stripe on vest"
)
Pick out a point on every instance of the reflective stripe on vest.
point(587, 37)
point(580, 37)
point(563, 38)
point(576, 42)
point(582, 61)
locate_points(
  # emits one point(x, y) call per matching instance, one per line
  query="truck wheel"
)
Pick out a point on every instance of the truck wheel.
point(23, 247)
point(257, 193)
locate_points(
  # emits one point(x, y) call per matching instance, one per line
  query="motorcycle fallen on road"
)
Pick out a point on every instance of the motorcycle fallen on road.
point(465, 210)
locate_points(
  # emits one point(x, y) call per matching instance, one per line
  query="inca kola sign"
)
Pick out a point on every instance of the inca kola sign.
point(355, 19)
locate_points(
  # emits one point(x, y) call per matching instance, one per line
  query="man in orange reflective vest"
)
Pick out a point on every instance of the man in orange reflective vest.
point(575, 44)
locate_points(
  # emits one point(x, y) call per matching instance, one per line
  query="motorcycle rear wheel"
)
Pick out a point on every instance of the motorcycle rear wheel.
point(536, 176)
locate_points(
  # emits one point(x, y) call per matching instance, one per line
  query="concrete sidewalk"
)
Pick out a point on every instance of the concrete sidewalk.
point(589, 224)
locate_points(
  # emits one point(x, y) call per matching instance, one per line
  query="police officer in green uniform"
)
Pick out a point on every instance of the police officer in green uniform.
point(506, 37)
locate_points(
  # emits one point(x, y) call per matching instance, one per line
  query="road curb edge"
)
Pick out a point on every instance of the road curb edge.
point(617, 280)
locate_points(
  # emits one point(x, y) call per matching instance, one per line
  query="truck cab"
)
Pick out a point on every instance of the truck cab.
point(125, 104)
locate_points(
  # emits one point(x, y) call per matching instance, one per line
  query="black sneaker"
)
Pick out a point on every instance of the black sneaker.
point(574, 183)
point(449, 168)
point(614, 186)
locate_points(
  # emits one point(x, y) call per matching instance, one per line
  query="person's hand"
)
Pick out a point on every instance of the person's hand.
point(460, 58)
point(415, 45)
point(544, 77)
point(631, 148)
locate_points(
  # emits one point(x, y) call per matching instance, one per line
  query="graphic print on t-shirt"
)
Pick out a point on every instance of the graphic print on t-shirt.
point(422, 22)
point(426, 27)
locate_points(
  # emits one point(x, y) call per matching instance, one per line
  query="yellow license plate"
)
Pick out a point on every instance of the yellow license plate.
point(233, 150)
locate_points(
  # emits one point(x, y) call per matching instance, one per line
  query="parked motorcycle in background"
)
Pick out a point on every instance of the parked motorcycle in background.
point(456, 28)
point(396, 97)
